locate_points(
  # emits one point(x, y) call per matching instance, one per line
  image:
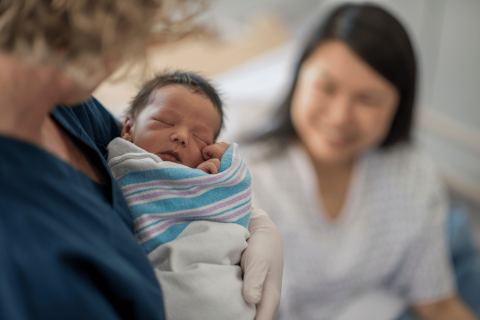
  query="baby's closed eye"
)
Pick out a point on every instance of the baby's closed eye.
point(205, 140)
point(164, 122)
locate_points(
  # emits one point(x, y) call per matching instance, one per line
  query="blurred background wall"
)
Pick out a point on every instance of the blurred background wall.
point(251, 57)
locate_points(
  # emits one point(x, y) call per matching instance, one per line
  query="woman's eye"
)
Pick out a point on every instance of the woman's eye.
point(327, 88)
point(368, 100)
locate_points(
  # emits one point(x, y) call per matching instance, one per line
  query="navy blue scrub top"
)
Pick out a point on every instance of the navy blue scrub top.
point(67, 249)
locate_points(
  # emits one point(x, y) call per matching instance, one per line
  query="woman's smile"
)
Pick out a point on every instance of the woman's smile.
point(335, 137)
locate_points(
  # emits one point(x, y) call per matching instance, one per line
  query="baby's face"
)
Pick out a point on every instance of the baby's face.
point(175, 126)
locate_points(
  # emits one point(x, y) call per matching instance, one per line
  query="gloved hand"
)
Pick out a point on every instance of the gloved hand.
point(262, 265)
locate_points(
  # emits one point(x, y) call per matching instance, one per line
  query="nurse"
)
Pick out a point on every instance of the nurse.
point(67, 249)
point(357, 206)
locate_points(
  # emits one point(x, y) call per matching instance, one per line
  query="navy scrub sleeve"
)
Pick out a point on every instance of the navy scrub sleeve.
point(67, 249)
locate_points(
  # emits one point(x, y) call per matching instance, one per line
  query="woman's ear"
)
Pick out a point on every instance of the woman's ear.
point(127, 130)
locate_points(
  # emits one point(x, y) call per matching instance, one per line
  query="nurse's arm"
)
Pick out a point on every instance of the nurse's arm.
point(447, 309)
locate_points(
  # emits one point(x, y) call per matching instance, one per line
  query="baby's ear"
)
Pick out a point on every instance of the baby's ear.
point(127, 129)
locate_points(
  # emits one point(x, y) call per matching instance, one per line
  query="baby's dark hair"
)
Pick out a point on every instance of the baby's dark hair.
point(188, 79)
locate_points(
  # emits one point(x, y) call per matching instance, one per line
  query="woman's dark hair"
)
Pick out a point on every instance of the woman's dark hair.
point(381, 41)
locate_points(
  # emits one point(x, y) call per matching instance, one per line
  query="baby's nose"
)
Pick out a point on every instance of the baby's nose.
point(180, 138)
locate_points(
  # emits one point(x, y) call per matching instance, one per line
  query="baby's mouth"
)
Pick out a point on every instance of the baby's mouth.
point(170, 155)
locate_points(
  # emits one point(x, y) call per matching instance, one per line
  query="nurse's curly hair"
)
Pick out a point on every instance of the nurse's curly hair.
point(84, 31)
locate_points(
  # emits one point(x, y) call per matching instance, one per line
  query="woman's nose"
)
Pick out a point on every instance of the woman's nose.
point(340, 111)
point(180, 137)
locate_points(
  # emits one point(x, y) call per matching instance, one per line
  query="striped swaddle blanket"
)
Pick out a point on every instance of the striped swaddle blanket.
point(165, 197)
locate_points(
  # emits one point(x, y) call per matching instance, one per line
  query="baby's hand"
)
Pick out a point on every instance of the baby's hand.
point(215, 150)
point(210, 166)
point(213, 154)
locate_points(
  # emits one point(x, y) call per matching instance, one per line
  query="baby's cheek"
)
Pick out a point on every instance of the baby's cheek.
point(196, 159)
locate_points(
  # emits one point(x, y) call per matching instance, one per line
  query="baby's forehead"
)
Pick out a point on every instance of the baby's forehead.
point(175, 92)
point(172, 98)
point(172, 89)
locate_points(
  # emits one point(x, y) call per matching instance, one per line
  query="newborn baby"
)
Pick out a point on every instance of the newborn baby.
point(178, 123)
point(190, 197)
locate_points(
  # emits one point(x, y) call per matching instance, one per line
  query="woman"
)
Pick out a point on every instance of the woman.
point(67, 249)
point(357, 207)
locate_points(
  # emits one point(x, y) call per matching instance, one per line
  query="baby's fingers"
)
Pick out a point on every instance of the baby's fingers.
point(208, 152)
point(210, 166)
point(216, 162)
point(215, 150)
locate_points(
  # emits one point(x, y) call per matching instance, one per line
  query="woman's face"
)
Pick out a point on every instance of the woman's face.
point(341, 106)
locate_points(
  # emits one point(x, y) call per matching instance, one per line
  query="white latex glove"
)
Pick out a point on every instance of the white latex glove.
point(262, 265)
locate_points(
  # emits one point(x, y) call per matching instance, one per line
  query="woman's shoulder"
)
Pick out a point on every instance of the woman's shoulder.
point(276, 172)
point(267, 152)
point(272, 163)
point(89, 120)
point(96, 121)
point(406, 176)
point(403, 189)
point(403, 163)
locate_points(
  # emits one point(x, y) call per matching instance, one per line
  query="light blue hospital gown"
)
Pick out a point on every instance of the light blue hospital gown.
point(390, 233)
